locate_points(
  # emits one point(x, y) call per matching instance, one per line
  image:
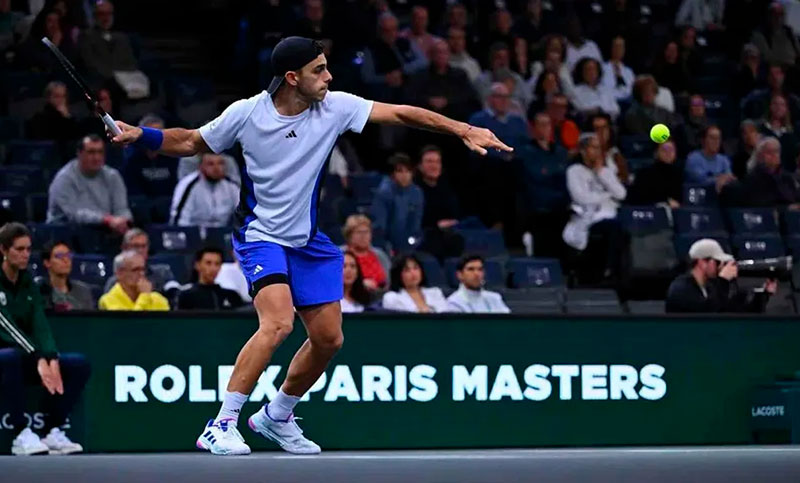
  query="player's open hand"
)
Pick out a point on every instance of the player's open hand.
point(130, 134)
point(479, 140)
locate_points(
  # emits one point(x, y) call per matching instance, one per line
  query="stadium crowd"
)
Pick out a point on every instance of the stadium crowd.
point(585, 200)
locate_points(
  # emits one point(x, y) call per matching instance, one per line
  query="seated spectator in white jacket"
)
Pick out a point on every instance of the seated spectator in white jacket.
point(231, 277)
point(470, 296)
point(617, 76)
point(409, 293)
point(589, 95)
point(356, 296)
point(206, 197)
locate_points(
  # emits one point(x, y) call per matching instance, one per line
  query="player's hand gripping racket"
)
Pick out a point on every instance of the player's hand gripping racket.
point(94, 106)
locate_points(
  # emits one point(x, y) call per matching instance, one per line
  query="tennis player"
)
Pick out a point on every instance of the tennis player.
point(287, 134)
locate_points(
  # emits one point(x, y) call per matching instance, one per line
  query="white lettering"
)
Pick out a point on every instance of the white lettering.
point(342, 385)
point(157, 389)
point(565, 373)
point(539, 388)
point(466, 383)
point(265, 386)
point(375, 381)
point(506, 385)
point(425, 388)
point(623, 379)
point(400, 383)
point(593, 382)
point(129, 381)
point(654, 386)
point(223, 377)
point(318, 386)
point(196, 391)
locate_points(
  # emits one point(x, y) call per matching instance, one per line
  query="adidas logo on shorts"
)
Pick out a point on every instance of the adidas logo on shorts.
point(258, 269)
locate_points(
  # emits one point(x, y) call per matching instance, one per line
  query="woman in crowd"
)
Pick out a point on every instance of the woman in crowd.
point(670, 71)
point(373, 262)
point(615, 161)
point(589, 96)
point(552, 61)
point(409, 293)
point(617, 76)
point(356, 296)
point(547, 85)
point(777, 122)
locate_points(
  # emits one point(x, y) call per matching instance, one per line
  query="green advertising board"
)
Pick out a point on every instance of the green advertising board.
point(448, 381)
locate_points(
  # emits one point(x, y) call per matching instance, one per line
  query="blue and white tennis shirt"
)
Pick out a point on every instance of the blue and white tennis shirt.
point(285, 160)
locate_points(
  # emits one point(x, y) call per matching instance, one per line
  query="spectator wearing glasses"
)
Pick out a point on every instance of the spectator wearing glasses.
point(159, 274)
point(133, 291)
point(409, 293)
point(60, 293)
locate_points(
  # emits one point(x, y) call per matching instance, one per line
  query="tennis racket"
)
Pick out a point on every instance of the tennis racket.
point(94, 106)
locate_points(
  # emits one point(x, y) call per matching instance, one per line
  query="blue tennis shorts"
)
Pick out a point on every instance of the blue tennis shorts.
point(313, 272)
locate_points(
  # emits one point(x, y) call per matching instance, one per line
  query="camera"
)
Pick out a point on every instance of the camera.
point(777, 267)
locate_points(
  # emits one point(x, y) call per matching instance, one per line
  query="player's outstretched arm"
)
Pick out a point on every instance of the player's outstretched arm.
point(476, 138)
point(175, 141)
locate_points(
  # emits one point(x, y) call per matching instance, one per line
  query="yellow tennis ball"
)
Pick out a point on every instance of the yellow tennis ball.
point(659, 133)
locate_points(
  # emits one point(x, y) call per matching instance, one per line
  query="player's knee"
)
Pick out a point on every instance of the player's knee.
point(276, 329)
point(329, 341)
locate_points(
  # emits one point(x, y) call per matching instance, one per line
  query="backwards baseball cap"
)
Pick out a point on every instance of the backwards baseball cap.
point(708, 248)
point(292, 53)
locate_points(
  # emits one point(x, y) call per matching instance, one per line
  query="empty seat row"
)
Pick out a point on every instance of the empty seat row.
point(521, 272)
point(644, 219)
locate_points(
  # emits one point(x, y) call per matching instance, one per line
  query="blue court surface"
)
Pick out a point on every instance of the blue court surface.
point(676, 464)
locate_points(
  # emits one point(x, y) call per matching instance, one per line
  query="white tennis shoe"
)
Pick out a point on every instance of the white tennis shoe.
point(28, 443)
point(59, 443)
point(222, 438)
point(287, 433)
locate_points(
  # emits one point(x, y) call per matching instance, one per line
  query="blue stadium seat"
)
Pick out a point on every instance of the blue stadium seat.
point(488, 243)
point(141, 206)
point(219, 237)
point(174, 239)
point(636, 146)
point(433, 271)
point(643, 219)
point(363, 186)
point(33, 153)
point(493, 272)
point(535, 272)
point(37, 202)
point(15, 203)
point(42, 233)
point(755, 246)
point(93, 269)
point(698, 219)
point(159, 210)
point(699, 195)
point(683, 242)
point(98, 240)
point(178, 264)
point(791, 220)
point(541, 300)
point(753, 220)
point(22, 179)
point(592, 302)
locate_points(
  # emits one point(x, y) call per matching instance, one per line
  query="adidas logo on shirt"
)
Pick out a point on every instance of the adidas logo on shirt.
point(291, 134)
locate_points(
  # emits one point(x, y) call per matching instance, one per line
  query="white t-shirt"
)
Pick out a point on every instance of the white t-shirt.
point(230, 276)
point(284, 158)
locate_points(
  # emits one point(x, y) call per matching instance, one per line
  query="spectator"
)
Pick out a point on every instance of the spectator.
point(775, 40)
point(471, 297)
point(132, 291)
point(9, 21)
point(316, 25)
point(206, 197)
point(159, 274)
point(373, 262)
point(749, 74)
point(389, 60)
point(553, 61)
point(459, 57)
point(458, 17)
point(661, 182)
point(707, 165)
point(49, 23)
point(409, 292)
point(777, 122)
point(28, 354)
point(701, 14)
point(508, 127)
point(579, 47)
point(618, 77)
point(614, 160)
point(87, 192)
point(442, 88)
point(398, 205)
point(441, 212)
point(104, 51)
point(547, 85)
point(596, 194)
point(230, 276)
point(93, 124)
point(769, 184)
point(696, 122)
point(530, 24)
point(519, 62)
point(55, 121)
point(147, 172)
point(356, 296)
point(206, 294)
point(60, 293)
point(744, 159)
point(500, 66)
point(644, 113)
point(690, 54)
point(589, 96)
point(710, 286)
point(758, 101)
point(670, 71)
point(565, 131)
point(418, 33)
point(500, 25)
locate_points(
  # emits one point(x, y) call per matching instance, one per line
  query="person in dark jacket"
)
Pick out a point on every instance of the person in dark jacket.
point(206, 294)
point(768, 184)
point(710, 286)
point(55, 122)
point(28, 353)
point(441, 209)
point(661, 182)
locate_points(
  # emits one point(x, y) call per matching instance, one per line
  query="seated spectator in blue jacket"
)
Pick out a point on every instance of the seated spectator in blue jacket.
point(509, 128)
point(707, 165)
point(543, 164)
point(148, 172)
point(398, 206)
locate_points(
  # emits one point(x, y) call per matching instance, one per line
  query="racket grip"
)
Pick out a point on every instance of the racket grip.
point(109, 122)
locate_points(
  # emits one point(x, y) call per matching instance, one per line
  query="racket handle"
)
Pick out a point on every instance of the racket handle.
point(109, 122)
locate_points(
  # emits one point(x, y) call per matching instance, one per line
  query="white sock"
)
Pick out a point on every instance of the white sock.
point(281, 407)
point(231, 406)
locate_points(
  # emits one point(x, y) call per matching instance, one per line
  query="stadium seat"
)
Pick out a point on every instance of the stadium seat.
point(15, 203)
point(92, 269)
point(636, 146)
point(643, 219)
point(541, 300)
point(488, 243)
point(159, 210)
point(363, 186)
point(218, 237)
point(753, 220)
point(698, 219)
point(593, 302)
point(793, 246)
point(24, 92)
point(37, 204)
point(683, 242)
point(33, 153)
point(178, 264)
point(433, 271)
point(22, 179)
point(535, 272)
point(42, 233)
point(89, 239)
point(646, 307)
point(494, 272)
point(174, 239)
point(756, 246)
point(791, 221)
point(699, 195)
point(141, 207)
